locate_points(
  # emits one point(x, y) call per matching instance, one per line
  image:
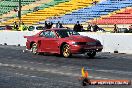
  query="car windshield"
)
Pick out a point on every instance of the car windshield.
point(66, 33)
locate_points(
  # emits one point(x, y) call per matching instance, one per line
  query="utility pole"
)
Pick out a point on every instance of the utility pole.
point(19, 13)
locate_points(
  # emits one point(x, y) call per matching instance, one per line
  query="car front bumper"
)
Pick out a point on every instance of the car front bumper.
point(84, 49)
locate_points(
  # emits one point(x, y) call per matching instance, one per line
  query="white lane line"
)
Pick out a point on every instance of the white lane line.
point(32, 69)
point(16, 73)
point(64, 66)
point(25, 68)
point(33, 76)
point(19, 66)
point(50, 64)
point(25, 75)
point(0, 64)
point(115, 71)
point(32, 62)
point(12, 65)
point(111, 71)
point(68, 74)
point(25, 61)
point(54, 71)
point(21, 74)
point(9, 57)
point(39, 63)
point(6, 65)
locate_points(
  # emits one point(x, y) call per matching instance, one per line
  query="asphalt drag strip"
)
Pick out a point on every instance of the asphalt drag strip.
point(20, 69)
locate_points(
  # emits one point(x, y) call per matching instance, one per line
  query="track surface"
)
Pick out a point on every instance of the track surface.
point(20, 69)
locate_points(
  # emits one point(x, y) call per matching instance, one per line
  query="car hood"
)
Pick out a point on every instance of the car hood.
point(80, 38)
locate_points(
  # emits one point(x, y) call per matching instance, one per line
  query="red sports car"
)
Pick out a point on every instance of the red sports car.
point(62, 42)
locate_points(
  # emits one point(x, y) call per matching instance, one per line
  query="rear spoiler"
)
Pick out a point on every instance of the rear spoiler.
point(26, 36)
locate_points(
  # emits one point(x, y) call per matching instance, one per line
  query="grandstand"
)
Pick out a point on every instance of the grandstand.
point(26, 9)
point(123, 16)
point(8, 5)
point(57, 10)
point(97, 12)
point(105, 12)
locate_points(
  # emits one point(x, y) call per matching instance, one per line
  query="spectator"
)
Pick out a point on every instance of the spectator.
point(82, 28)
point(95, 28)
point(16, 10)
point(15, 26)
point(35, 9)
point(77, 27)
point(130, 29)
point(45, 25)
point(48, 25)
point(59, 25)
point(23, 27)
point(89, 27)
point(115, 28)
point(95, 2)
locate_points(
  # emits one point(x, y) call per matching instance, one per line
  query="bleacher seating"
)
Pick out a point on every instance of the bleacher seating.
point(90, 13)
point(8, 5)
point(122, 17)
point(44, 4)
point(25, 9)
point(71, 11)
point(56, 10)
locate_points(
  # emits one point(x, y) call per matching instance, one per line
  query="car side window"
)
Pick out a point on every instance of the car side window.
point(47, 34)
point(52, 34)
point(42, 34)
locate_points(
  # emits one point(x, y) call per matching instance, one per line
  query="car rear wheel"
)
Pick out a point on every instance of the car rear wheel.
point(66, 51)
point(34, 48)
point(91, 54)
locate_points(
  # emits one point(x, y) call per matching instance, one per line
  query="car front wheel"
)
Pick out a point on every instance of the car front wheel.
point(91, 54)
point(34, 48)
point(66, 51)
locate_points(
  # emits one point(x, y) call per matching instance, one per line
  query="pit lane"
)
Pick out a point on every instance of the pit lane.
point(20, 69)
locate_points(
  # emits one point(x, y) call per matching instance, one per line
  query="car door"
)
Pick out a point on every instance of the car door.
point(50, 42)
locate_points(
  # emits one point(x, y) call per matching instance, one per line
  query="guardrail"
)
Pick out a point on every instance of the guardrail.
point(112, 42)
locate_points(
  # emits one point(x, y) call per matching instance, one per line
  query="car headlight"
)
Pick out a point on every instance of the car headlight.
point(79, 43)
point(74, 43)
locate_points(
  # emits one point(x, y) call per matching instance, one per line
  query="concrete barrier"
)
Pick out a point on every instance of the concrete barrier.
point(120, 42)
point(111, 41)
point(14, 37)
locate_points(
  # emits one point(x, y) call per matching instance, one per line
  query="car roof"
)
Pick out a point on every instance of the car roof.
point(57, 29)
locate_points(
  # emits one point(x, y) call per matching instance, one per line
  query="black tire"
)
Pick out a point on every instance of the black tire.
point(66, 51)
point(34, 48)
point(58, 55)
point(91, 54)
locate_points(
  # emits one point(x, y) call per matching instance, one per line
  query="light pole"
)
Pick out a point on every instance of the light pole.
point(19, 13)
